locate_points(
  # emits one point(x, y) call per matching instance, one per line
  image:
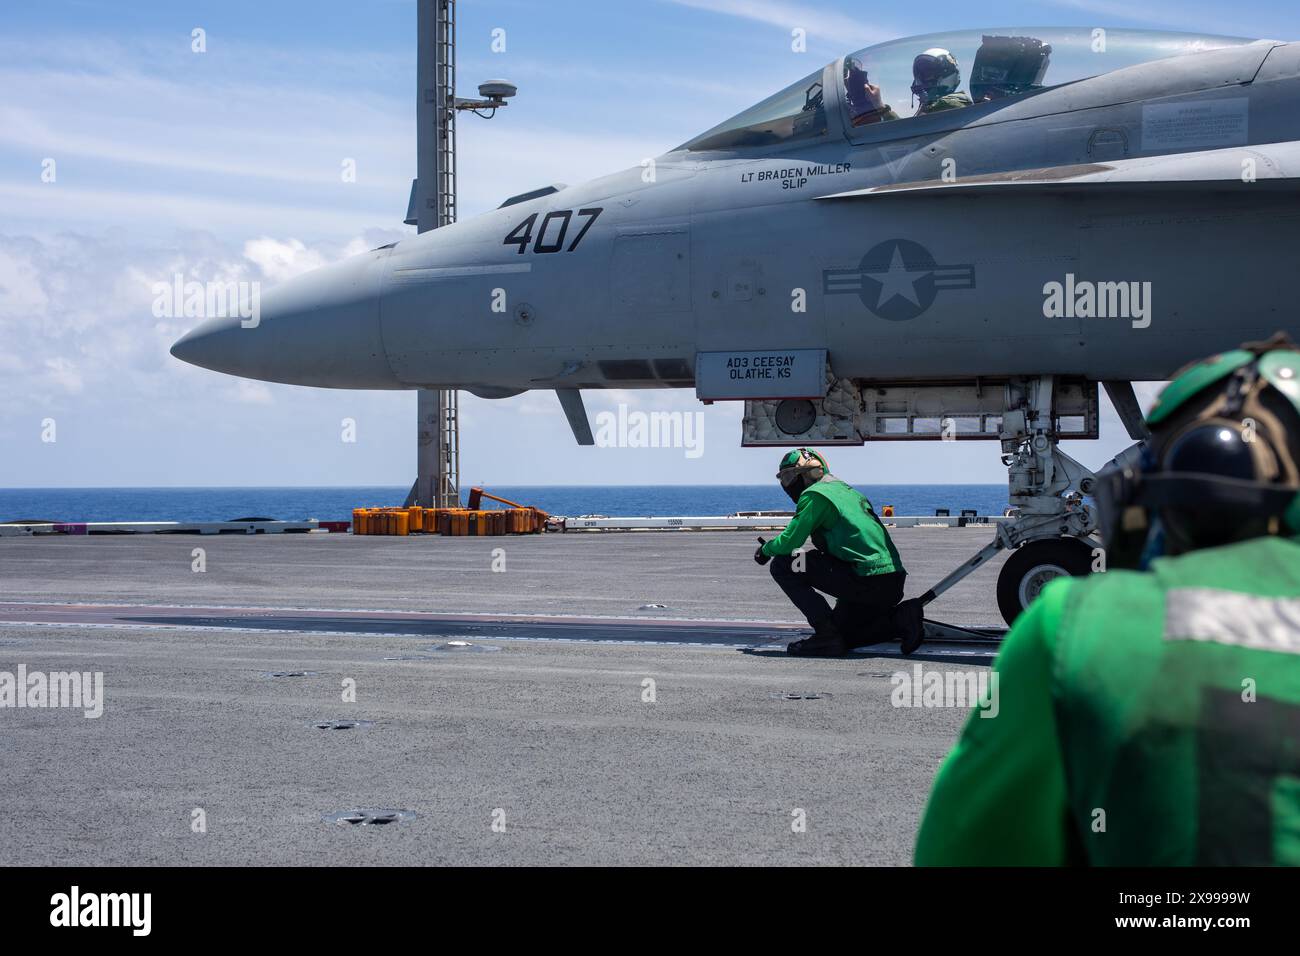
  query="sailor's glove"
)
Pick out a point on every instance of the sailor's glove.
point(759, 556)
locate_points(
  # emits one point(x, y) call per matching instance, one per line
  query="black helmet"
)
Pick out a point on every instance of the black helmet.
point(1222, 463)
point(935, 74)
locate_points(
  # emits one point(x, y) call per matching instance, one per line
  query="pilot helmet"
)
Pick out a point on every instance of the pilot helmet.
point(935, 74)
point(799, 469)
point(1222, 463)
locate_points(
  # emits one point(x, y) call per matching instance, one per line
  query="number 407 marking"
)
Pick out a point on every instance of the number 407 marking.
point(550, 237)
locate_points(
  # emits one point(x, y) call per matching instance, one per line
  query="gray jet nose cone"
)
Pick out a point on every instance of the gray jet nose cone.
point(178, 349)
point(319, 329)
point(211, 344)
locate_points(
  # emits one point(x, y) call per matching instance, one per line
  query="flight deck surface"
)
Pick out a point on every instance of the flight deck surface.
point(518, 697)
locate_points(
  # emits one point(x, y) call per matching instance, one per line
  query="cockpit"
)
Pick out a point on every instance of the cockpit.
point(906, 79)
point(797, 112)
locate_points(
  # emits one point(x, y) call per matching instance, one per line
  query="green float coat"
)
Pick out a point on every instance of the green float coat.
point(1163, 706)
point(841, 523)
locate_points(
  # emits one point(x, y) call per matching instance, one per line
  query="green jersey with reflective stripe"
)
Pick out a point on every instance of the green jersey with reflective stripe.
point(842, 523)
point(1143, 719)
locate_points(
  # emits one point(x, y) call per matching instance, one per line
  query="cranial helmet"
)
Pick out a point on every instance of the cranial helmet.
point(1222, 463)
point(799, 469)
point(935, 74)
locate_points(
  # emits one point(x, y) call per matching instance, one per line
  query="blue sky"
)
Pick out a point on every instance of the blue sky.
point(227, 165)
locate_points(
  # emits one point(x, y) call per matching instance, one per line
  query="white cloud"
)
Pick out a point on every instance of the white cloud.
point(1181, 16)
point(63, 373)
point(844, 30)
point(20, 289)
point(173, 144)
point(44, 209)
point(78, 310)
point(282, 259)
point(251, 393)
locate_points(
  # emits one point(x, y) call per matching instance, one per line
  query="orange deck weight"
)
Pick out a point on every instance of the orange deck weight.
point(416, 519)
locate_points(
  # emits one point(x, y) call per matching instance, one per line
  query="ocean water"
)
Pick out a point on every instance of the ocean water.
point(336, 504)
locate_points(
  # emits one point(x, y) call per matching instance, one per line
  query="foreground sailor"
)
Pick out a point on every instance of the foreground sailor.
point(855, 561)
point(1151, 716)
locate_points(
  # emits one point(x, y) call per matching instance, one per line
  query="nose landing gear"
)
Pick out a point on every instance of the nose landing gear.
point(1051, 526)
point(1036, 563)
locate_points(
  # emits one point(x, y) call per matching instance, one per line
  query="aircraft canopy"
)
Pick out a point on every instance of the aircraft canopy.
point(911, 77)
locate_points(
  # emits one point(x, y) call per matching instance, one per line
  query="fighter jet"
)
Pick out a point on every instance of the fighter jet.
point(950, 237)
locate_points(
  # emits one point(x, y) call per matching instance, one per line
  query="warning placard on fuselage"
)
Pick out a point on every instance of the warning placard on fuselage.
point(1202, 124)
point(768, 373)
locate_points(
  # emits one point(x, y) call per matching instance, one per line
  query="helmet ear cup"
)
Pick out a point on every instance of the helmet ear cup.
point(1243, 432)
point(1223, 460)
point(1123, 524)
point(1224, 448)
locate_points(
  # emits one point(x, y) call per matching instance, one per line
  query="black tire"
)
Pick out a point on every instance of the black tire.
point(1036, 563)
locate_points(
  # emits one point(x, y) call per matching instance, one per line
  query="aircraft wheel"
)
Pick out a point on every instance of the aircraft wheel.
point(1033, 565)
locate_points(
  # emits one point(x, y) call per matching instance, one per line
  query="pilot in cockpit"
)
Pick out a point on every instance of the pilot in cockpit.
point(935, 78)
point(866, 102)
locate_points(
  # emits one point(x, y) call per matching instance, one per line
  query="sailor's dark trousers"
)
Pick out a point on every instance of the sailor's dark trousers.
point(864, 603)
